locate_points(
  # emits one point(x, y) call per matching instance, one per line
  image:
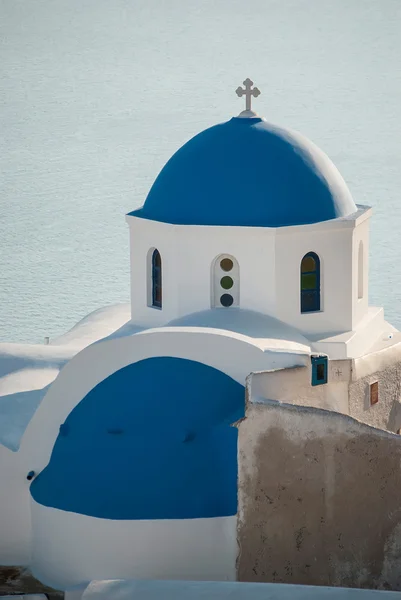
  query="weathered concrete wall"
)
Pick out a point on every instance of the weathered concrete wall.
point(294, 386)
point(319, 499)
point(386, 414)
point(220, 590)
point(347, 390)
point(19, 580)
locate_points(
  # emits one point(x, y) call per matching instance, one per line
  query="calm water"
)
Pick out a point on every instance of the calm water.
point(98, 94)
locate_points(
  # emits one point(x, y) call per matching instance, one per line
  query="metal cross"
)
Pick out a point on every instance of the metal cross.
point(248, 92)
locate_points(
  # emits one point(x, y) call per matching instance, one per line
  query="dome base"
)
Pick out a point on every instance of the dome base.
point(248, 114)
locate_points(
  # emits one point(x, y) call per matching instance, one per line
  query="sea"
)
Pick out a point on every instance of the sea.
point(98, 94)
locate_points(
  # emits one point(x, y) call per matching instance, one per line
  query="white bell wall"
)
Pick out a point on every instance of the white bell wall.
point(269, 270)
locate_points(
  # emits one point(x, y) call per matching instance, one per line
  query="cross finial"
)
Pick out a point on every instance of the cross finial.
point(248, 92)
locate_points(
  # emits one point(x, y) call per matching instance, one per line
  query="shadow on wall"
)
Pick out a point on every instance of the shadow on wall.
point(245, 322)
point(319, 499)
point(152, 441)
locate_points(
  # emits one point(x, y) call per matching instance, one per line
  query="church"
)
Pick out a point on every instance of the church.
point(223, 425)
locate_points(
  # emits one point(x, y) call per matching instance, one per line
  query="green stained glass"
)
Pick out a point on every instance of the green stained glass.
point(226, 282)
point(308, 282)
point(308, 264)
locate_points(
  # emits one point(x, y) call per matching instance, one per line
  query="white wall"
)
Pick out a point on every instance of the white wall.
point(234, 354)
point(188, 254)
point(333, 245)
point(269, 262)
point(70, 549)
point(377, 361)
point(360, 305)
point(293, 386)
point(145, 235)
point(15, 514)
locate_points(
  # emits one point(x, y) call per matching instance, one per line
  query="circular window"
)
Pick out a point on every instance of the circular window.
point(226, 264)
point(226, 300)
point(226, 282)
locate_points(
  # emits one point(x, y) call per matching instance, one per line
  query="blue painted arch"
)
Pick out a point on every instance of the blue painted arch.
point(247, 172)
point(152, 441)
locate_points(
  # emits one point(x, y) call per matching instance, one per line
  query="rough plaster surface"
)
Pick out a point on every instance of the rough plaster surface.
point(293, 386)
point(202, 590)
point(386, 353)
point(18, 580)
point(319, 499)
point(386, 414)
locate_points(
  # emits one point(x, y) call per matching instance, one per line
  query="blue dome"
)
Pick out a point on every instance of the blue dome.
point(247, 172)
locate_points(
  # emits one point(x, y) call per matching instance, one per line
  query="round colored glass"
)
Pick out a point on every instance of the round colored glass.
point(308, 264)
point(226, 264)
point(226, 282)
point(226, 300)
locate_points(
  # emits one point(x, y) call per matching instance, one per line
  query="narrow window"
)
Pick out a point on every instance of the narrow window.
point(225, 282)
point(360, 270)
point(319, 370)
point(310, 283)
point(374, 393)
point(156, 279)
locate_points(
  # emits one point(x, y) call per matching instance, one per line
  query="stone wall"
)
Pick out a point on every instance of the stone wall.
point(219, 590)
point(386, 414)
point(19, 580)
point(294, 386)
point(319, 499)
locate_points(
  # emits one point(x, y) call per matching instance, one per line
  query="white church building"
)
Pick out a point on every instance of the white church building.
point(119, 454)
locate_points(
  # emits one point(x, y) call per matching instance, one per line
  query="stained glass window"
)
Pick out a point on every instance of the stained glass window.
point(310, 283)
point(156, 279)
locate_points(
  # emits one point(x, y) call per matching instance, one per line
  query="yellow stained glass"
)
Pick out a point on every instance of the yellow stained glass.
point(226, 264)
point(308, 264)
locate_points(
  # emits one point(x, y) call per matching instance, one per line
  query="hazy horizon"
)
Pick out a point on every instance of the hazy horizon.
point(98, 95)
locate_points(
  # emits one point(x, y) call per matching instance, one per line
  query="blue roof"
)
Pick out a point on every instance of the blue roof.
point(247, 172)
point(152, 441)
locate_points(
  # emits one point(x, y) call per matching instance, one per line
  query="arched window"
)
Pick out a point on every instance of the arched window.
point(310, 283)
point(360, 270)
point(225, 282)
point(156, 279)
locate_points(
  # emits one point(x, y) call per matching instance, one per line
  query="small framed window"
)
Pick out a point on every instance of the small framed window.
point(310, 283)
point(374, 393)
point(319, 370)
point(154, 278)
point(225, 282)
